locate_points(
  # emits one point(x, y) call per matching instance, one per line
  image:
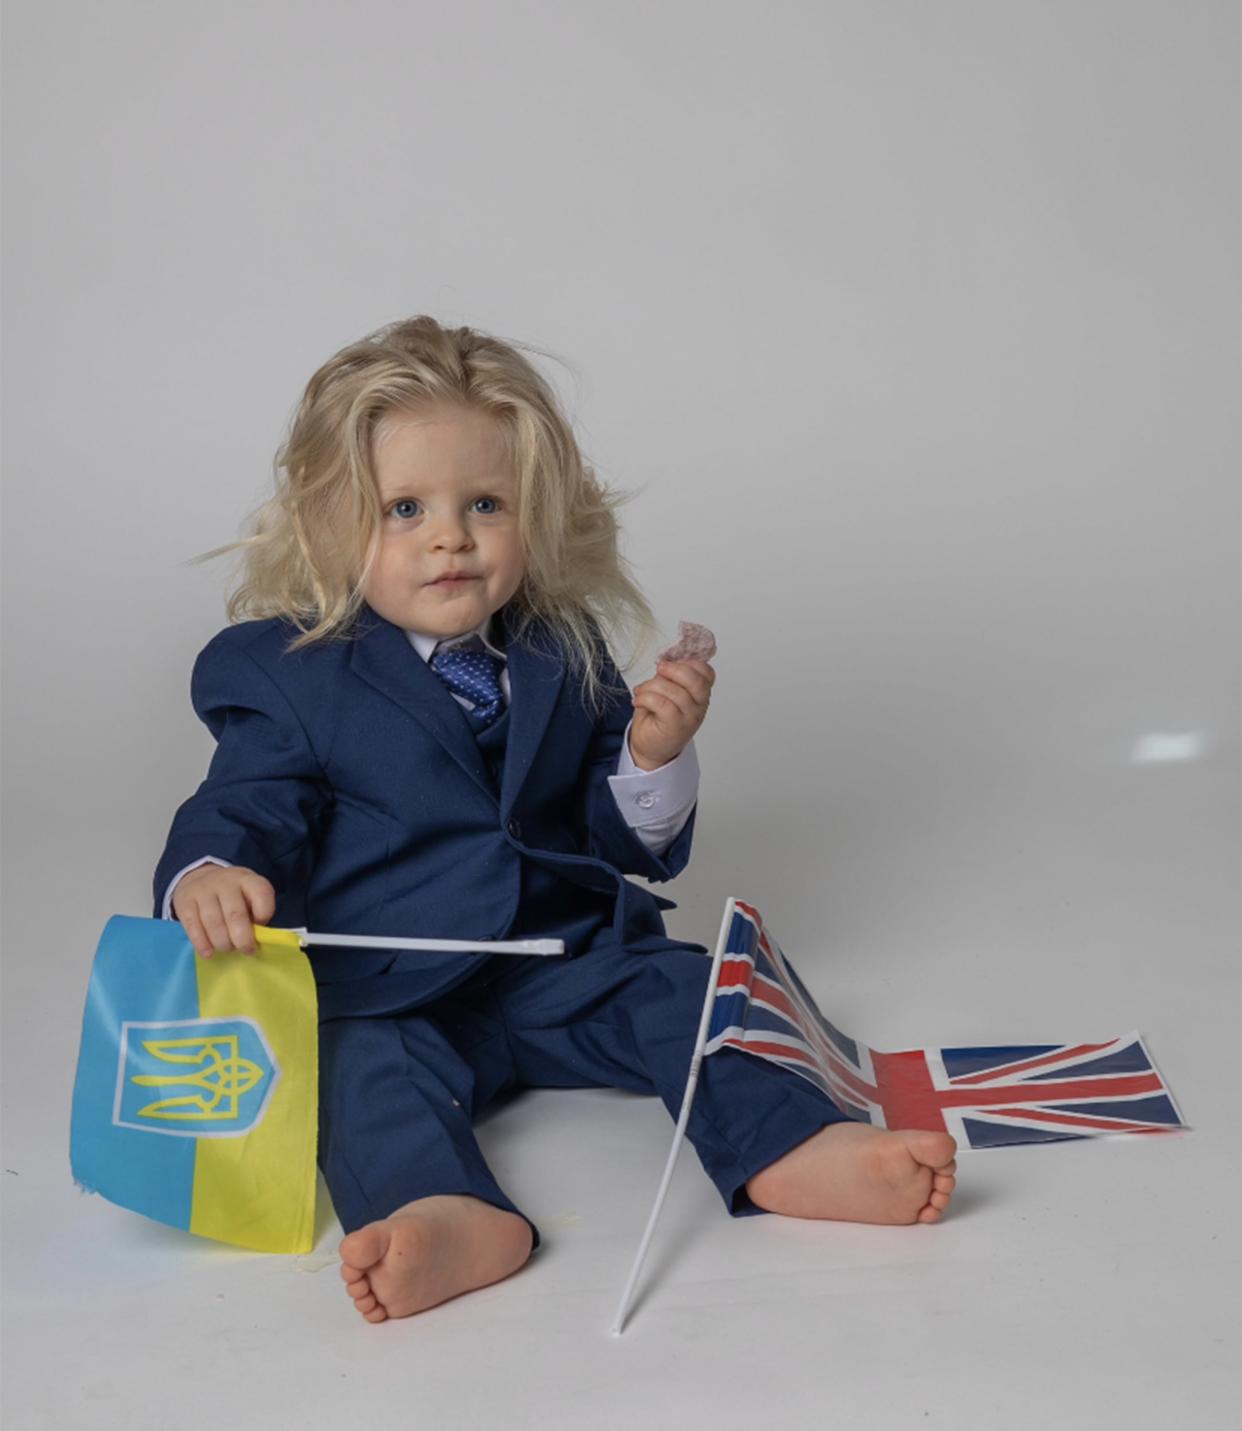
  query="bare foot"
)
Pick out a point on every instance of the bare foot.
point(428, 1251)
point(856, 1173)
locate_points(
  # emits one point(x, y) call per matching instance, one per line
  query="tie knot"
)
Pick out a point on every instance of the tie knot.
point(468, 669)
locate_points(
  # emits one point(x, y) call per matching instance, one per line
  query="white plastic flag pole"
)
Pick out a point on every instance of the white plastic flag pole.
point(683, 1118)
point(439, 946)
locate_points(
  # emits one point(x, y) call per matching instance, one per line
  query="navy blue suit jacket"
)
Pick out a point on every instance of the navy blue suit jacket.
point(347, 775)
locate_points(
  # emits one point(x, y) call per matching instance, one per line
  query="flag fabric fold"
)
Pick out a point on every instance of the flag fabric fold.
point(195, 1101)
point(985, 1097)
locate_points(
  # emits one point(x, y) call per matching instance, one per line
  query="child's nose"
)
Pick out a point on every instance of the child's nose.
point(450, 533)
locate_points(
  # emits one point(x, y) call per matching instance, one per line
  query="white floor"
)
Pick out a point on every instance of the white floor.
point(1078, 1284)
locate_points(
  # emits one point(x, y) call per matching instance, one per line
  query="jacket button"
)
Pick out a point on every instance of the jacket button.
point(515, 829)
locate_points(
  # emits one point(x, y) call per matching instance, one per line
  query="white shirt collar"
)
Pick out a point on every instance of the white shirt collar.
point(425, 644)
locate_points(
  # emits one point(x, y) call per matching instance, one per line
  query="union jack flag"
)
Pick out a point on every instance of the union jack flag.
point(984, 1097)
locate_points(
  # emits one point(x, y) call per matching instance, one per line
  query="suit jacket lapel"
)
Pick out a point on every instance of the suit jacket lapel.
point(383, 657)
point(536, 675)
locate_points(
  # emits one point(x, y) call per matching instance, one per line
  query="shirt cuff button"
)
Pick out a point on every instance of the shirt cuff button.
point(646, 800)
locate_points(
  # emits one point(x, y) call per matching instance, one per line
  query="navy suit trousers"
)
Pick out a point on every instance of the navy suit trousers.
point(399, 1092)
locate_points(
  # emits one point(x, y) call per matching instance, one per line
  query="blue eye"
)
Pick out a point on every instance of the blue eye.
point(408, 508)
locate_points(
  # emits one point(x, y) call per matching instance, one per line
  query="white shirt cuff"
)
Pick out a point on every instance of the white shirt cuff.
point(172, 883)
point(656, 803)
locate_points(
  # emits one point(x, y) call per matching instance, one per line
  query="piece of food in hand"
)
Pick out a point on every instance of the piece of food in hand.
point(694, 643)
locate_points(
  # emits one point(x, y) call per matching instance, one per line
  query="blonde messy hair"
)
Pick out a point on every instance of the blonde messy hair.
point(312, 545)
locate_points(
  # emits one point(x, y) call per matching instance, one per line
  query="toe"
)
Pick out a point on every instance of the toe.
point(929, 1214)
point(944, 1182)
point(358, 1289)
point(934, 1150)
point(378, 1314)
point(364, 1248)
point(368, 1303)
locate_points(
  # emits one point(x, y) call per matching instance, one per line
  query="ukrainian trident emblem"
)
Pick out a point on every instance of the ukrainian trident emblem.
point(216, 1077)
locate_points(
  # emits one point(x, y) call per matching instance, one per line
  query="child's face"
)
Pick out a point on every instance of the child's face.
point(449, 500)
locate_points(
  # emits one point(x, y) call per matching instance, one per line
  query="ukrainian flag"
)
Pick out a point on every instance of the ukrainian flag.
point(196, 1095)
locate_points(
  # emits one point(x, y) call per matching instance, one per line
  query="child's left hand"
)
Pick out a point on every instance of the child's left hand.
point(668, 709)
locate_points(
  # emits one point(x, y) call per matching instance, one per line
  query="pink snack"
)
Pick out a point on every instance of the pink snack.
point(694, 643)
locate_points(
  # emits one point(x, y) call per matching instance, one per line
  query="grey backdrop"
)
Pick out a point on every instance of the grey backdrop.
point(915, 327)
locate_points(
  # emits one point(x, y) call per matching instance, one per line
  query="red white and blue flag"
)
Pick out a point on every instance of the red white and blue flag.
point(984, 1097)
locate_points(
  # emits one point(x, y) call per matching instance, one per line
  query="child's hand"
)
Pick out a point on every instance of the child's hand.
point(668, 709)
point(218, 907)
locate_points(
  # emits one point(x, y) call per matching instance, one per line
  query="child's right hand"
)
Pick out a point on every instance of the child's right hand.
point(218, 907)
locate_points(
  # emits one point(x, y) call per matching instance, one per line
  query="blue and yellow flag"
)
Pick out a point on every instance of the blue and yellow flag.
point(196, 1095)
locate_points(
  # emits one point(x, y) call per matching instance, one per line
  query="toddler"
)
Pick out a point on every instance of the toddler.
point(421, 731)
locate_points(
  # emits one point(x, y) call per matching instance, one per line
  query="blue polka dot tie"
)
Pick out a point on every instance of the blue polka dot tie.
point(472, 671)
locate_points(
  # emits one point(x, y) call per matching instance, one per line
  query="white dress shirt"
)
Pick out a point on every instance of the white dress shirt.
point(655, 804)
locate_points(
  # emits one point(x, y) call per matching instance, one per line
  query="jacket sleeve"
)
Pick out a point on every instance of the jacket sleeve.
point(265, 794)
point(609, 837)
